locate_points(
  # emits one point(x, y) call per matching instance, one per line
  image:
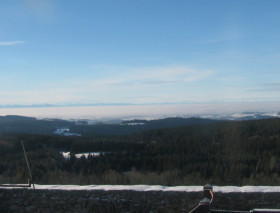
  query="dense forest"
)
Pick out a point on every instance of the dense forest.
point(21, 124)
point(221, 153)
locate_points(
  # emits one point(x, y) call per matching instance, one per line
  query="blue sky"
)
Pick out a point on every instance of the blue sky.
point(139, 52)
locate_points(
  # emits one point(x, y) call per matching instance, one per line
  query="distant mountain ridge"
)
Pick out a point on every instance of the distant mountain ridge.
point(245, 116)
point(22, 124)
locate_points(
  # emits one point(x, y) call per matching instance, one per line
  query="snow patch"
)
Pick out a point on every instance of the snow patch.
point(132, 124)
point(94, 154)
point(65, 132)
point(144, 188)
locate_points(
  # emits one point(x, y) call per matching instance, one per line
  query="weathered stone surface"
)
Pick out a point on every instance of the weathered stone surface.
point(14, 208)
point(31, 208)
point(24, 200)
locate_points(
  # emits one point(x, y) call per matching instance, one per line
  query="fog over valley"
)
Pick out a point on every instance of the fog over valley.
point(148, 112)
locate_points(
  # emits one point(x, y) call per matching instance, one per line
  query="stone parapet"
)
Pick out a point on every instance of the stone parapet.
point(29, 200)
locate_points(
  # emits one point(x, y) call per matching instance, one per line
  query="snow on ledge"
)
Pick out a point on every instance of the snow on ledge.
point(144, 188)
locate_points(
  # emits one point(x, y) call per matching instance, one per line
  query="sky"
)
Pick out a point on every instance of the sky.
point(91, 52)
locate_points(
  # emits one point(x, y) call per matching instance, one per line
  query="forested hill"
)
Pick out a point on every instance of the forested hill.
point(136, 126)
point(20, 124)
point(224, 153)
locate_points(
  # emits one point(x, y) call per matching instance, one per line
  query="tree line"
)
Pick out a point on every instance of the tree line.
point(223, 153)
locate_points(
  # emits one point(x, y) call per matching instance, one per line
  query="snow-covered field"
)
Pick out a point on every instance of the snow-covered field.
point(144, 188)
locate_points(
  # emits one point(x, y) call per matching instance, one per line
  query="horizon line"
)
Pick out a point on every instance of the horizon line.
point(128, 104)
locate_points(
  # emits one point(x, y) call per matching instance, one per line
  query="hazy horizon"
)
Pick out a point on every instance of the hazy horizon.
point(110, 112)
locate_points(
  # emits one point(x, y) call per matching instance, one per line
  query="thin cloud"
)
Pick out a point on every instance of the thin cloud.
point(168, 75)
point(211, 41)
point(272, 85)
point(160, 82)
point(38, 96)
point(267, 87)
point(44, 10)
point(222, 39)
point(113, 86)
point(149, 76)
point(11, 43)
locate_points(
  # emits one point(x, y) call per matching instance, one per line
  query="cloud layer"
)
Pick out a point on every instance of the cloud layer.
point(11, 43)
point(113, 85)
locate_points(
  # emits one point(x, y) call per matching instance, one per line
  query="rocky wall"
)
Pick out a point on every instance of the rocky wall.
point(29, 200)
